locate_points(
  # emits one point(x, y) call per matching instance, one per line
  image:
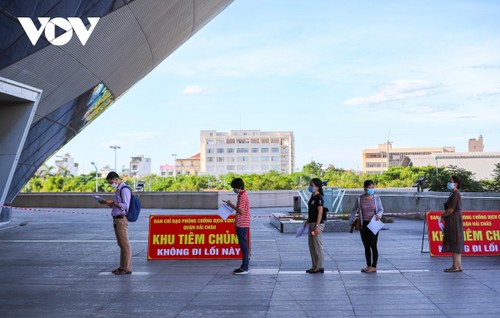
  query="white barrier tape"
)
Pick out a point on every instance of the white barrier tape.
point(50, 211)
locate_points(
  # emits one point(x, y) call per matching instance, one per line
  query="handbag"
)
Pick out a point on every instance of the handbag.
point(356, 225)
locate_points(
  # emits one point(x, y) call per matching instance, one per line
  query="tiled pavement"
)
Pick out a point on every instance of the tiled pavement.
point(56, 264)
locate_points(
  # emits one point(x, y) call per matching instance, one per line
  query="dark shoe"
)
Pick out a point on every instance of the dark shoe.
point(240, 271)
point(317, 271)
point(122, 272)
point(309, 270)
point(452, 270)
point(114, 271)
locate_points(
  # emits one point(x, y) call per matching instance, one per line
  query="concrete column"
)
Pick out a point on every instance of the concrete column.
point(18, 103)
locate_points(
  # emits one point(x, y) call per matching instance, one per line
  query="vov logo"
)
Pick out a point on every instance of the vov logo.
point(49, 26)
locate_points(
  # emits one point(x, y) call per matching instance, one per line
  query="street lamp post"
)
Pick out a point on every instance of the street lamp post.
point(175, 171)
point(115, 147)
point(437, 167)
point(96, 176)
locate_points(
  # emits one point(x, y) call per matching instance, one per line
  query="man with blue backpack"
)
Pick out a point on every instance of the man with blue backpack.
point(119, 209)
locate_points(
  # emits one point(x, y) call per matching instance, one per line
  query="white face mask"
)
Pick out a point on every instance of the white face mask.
point(114, 185)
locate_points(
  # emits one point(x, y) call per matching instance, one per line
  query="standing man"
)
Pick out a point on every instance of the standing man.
point(119, 207)
point(242, 222)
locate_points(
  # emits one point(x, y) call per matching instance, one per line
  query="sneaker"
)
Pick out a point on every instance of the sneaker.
point(240, 271)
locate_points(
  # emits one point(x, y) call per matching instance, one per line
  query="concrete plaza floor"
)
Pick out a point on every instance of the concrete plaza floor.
point(57, 263)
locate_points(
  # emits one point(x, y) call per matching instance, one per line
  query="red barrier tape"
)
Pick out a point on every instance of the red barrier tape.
point(298, 216)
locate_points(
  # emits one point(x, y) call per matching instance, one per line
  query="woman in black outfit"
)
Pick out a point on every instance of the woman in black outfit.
point(316, 221)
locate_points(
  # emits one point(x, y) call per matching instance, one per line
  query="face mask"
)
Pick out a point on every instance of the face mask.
point(114, 185)
point(236, 191)
point(370, 191)
point(451, 185)
point(311, 189)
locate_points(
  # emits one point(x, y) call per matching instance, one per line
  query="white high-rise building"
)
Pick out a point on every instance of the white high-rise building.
point(246, 151)
point(67, 166)
point(140, 166)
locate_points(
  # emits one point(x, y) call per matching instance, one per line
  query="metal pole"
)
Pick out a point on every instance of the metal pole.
point(437, 170)
point(96, 177)
point(115, 147)
point(175, 159)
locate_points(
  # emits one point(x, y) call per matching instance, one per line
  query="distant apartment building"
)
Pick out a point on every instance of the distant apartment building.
point(140, 166)
point(66, 166)
point(167, 170)
point(189, 165)
point(246, 151)
point(476, 145)
point(380, 159)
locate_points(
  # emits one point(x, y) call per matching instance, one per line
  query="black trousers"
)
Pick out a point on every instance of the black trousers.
point(370, 243)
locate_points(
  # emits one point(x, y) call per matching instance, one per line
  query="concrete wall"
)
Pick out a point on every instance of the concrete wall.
point(393, 201)
point(405, 201)
point(157, 200)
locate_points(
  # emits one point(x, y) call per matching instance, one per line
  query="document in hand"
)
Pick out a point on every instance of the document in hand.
point(441, 224)
point(98, 198)
point(301, 230)
point(225, 211)
point(375, 225)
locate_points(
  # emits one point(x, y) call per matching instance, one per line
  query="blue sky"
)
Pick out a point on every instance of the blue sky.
point(342, 75)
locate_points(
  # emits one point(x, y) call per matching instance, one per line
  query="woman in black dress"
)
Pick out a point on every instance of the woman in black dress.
point(453, 240)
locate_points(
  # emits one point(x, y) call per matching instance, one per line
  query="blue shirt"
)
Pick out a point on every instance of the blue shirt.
point(123, 202)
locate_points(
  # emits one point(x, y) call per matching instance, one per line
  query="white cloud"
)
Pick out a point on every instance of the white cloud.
point(486, 93)
point(396, 90)
point(194, 89)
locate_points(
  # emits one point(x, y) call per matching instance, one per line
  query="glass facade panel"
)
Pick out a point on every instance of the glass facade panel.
point(50, 133)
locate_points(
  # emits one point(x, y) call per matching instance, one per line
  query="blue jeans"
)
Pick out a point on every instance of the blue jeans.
point(242, 232)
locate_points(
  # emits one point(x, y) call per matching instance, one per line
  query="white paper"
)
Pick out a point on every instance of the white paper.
point(301, 230)
point(441, 225)
point(225, 211)
point(98, 198)
point(375, 225)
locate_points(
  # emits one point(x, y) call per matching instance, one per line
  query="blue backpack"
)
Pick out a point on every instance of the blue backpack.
point(134, 207)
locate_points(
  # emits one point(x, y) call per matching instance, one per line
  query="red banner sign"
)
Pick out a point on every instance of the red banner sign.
point(192, 237)
point(481, 233)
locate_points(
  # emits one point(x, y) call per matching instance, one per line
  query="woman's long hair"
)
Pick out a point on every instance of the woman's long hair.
point(318, 183)
point(458, 181)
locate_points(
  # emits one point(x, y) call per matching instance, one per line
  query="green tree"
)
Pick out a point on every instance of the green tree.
point(438, 182)
point(494, 184)
point(313, 169)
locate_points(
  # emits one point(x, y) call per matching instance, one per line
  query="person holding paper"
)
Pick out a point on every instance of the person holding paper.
point(119, 207)
point(316, 222)
point(242, 222)
point(453, 232)
point(368, 205)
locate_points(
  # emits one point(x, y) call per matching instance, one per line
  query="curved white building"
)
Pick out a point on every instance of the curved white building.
point(78, 82)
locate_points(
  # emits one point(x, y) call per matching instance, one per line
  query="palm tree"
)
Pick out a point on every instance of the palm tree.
point(45, 171)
